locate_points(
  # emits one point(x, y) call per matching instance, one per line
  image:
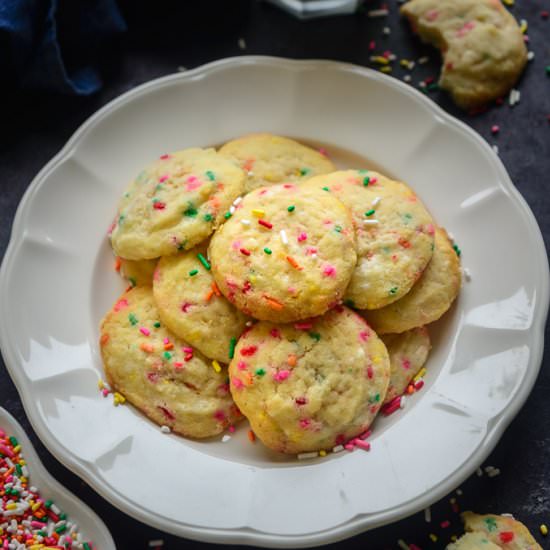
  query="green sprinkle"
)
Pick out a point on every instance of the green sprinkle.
point(132, 280)
point(156, 325)
point(547, 69)
point(377, 397)
point(19, 470)
point(326, 189)
point(267, 250)
point(370, 212)
point(349, 303)
point(155, 200)
point(366, 181)
point(191, 211)
point(193, 272)
point(210, 175)
point(208, 217)
point(167, 355)
point(159, 187)
point(48, 503)
point(227, 215)
point(315, 336)
point(393, 291)
point(260, 372)
point(87, 546)
point(126, 195)
point(338, 228)
point(433, 87)
point(62, 516)
point(14, 441)
point(232, 344)
point(41, 533)
point(304, 171)
point(204, 262)
point(60, 529)
point(133, 319)
point(457, 250)
point(120, 219)
point(491, 524)
point(291, 208)
point(141, 176)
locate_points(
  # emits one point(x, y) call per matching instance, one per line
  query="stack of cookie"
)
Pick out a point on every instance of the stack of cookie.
point(313, 285)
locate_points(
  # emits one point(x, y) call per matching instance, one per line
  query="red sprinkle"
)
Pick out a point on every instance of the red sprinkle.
point(159, 205)
point(265, 224)
point(506, 536)
point(495, 129)
point(245, 251)
point(445, 524)
point(249, 351)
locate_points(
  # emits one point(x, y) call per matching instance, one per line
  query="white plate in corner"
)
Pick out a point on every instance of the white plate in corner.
point(89, 525)
point(57, 281)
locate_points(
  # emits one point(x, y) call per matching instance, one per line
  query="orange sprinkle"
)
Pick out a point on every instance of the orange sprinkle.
point(118, 263)
point(247, 378)
point(410, 389)
point(274, 304)
point(104, 339)
point(247, 164)
point(251, 436)
point(168, 346)
point(209, 295)
point(293, 262)
point(9, 472)
point(216, 289)
point(291, 360)
point(147, 347)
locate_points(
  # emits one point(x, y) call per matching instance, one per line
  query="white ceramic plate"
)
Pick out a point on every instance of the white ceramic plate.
point(57, 281)
point(89, 525)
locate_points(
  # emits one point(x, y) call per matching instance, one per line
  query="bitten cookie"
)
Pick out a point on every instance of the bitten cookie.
point(429, 298)
point(138, 272)
point(473, 541)
point(505, 532)
point(395, 234)
point(310, 385)
point(175, 203)
point(287, 253)
point(482, 46)
point(408, 352)
point(191, 305)
point(269, 159)
point(160, 374)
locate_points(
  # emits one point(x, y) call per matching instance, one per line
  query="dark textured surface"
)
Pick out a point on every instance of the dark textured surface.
point(34, 128)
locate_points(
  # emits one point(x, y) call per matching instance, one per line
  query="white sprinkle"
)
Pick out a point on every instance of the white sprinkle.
point(402, 402)
point(156, 542)
point(428, 514)
point(411, 65)
point(284, 238)
point(249, 323)
point(507, 515)
point(422, 84)
point(407, 78)
point(250, 174)
point(376, 201)
point(468, 277)
point(165, 429)
point(378, 13)
point(451, 236)
point(423, 60)
point(386, 30)
point(530, 56)
point(237, 200)
point(392, 57)
point(338, 449)
point(181, 69)
point(226, 438)
point(55, 510)
point(402, 544)
point(459, 492)
point(493, 473)
point(495, 148)
point(479, 472)
point(306, 456)
point(245, 222)
point(370, 222)
point(242, 44)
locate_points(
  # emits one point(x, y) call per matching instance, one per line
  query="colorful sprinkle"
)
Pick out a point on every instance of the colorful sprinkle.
point(268, 250)
point(216, 366)
point(227, 215)
point(244, 251)
point(293, 263)
point(370, 212)
point(210, 175)
point(291, 208)
point(204, 262)
point(258, 213)
point(232, 344)
point(193, 272)
point(543, 530)
point(265, 224)
point(144, 331)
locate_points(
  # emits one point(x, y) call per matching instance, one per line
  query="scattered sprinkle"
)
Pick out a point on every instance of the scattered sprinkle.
point(268, 250)
point(216, 366)
point(165, 429)
point(232, 344)
point(265, 224)
point(242, 44)
point(308, 456)
point(543, 530)
point(291, 208)
point(193, 272)
point(495, 129)
point(378, 13)
point(204, 262)
point(284, 238)
point(258, 213)
point(428, 514)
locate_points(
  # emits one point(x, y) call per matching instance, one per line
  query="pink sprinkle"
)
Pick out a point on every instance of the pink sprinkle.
point(153, 377)
point(432, 15)
point(219, 415)
point(187, 350)
point(525, 38)
point(185, 306)
point(445, 524)
point(166, 341)
point(466, 28)
point(372, 181)
point(111, 228)
point(305, 422)
point(329, 271)
point(495, 129)
point(364, 335)
point(303, 326)
point(323, 152)
point(365, 445)
point(105, 392)
point(289, 186)
point(162, 179)
point(237, 383)
point(349, 447)
point(275, 332)
point(178, 365)
point(241, 365)
point(121, 304)
point(392, 406)
point(430, 229)
point(231, 429)
point(281, 375)
point(310, 250)
point(302, 237)
point(372, 45)
point(164, 157)
point(37, 524)
point(144, 331)
point(366, 434)
point(406, 364)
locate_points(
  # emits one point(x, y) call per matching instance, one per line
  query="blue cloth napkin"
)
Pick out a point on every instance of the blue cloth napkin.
point(54, 44)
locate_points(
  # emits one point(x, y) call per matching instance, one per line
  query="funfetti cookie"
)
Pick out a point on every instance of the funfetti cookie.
point(394, 231)
point(310, 385)
point(473, 541)
point(505, 532)
point(408, 352)
point(481, 43)
point(167, 379)
point(287, 253)
point(191, 305)
point(175, 204)
point(429, 298)
point(269, 159)
point(138, 272)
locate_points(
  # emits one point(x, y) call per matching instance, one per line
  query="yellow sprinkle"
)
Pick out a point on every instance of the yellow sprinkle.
point(22, 462)
point(216, 366)
point(118, 398)
point(454, 538)
point(322, 452)
point(386, 69)
point(252, 279)
point(420, 374)
point(258, 213)
point(404, 63)
point(524, 26)
point(11, 506)
point(100, 384)
point(23, 479)
point(433, 537)
point(543, 530)
point(380, 59)
point(36, 547)
point(16, 449)
point(509, 2)
point(35, 506)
